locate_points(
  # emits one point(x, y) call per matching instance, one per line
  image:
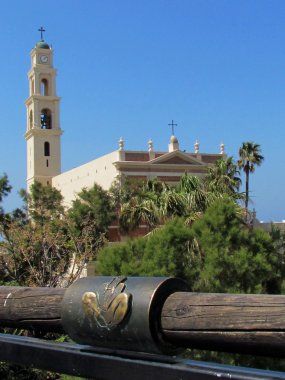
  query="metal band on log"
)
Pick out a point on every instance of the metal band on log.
point(149, 314)
point(121, 313)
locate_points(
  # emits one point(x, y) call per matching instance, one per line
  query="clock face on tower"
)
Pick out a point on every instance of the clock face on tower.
point(43, 58)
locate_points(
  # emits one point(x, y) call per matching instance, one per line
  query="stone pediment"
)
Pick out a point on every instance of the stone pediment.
point(176, 158)
point(175, 161)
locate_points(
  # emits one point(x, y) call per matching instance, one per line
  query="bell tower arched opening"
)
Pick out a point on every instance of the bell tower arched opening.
point(44, 87)
point(46, 122)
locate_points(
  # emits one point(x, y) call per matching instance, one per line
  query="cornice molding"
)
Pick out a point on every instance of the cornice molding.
point(48, 98)
point(43, 132)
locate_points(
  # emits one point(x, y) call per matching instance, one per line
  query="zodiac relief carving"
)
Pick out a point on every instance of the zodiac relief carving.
point(108, 306)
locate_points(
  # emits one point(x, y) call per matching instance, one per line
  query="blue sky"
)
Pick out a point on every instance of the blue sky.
point(128, 67)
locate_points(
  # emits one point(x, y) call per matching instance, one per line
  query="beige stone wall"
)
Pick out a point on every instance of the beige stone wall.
point(38, 164)
point(100, 171)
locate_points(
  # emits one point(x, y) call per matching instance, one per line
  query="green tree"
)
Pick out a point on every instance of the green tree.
point(94, 206)
point(278, 282)
point(5, 189)
point(236, 258)
point(249, 157)
point(124, 258)
point(124, 189)
point(42, 250)
point(42, 203)
point(91, 214)
point(170, 251)
point(219, 253)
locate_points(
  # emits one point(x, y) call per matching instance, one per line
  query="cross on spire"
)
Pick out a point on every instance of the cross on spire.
point(41, 30)
point(172, 124)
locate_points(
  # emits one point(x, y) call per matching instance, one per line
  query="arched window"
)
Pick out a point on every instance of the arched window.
point(47, 149)
point(31, 120)
point(46, 119)
point(44, 87)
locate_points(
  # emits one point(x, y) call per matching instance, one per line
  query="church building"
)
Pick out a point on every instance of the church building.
point(43, 137)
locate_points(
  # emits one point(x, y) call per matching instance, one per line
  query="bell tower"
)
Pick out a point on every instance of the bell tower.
point(43, 127)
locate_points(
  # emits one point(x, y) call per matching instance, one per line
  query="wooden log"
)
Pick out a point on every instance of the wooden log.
point(31, 308)
point(221, 322)
point(226, 322)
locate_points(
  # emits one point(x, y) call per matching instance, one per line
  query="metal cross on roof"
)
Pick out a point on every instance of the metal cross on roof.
point(41, 30)
point(172, 124)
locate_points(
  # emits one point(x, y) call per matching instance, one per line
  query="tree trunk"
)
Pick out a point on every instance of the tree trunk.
point(246, 186)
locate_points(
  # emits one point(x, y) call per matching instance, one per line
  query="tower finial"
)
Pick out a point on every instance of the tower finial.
point(121, 144)
point(172, 124)
point(197, 146)
point(41, 30)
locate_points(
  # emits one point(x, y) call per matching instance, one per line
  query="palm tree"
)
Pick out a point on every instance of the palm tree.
point(138, 211)
point(223, 177)
point(194, 192)
point(142, 207)
point(250, 156)
point(156, 202)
